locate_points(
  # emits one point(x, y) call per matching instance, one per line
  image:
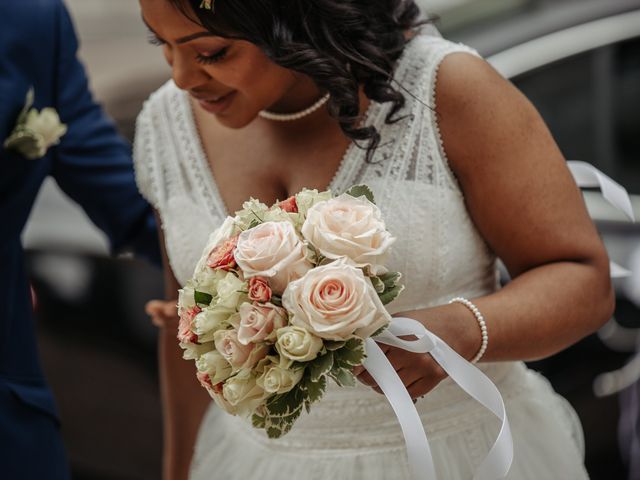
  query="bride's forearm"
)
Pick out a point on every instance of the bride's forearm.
point(184, 403)
point(539, 313)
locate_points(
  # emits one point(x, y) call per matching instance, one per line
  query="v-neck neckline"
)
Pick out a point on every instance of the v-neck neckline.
point(352, 153)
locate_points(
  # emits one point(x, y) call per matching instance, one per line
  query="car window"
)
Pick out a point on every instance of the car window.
point(591, 103)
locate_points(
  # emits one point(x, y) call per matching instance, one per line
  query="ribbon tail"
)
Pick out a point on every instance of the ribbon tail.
point(588, 176)
point(498, 462)
point(418, 450)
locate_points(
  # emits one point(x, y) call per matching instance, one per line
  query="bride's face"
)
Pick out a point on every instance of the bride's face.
point(232, 79)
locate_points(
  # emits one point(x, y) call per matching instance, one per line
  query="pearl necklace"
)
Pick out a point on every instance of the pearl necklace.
point(287, 117)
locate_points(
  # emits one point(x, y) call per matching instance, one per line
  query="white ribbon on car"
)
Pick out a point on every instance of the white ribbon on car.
point(588, 176)
point(498, 462)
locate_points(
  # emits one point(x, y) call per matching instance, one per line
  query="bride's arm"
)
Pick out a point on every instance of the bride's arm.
point(525, 204)
point(184, 401)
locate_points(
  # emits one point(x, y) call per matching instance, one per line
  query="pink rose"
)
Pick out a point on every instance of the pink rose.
point(289, 205)
point(185, 332)
point(334, 302)
point(221, 257)
point(259, 290)
point(274, 251)
point(238, 355)
point(205, 380)
point(259, 322)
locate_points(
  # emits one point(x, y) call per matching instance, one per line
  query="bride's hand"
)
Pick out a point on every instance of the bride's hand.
point(163, 313)
point(419, 372)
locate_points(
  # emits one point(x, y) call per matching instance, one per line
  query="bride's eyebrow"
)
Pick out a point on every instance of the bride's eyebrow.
point(180, 40)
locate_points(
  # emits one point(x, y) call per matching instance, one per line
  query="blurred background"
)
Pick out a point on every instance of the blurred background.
point(578, 61)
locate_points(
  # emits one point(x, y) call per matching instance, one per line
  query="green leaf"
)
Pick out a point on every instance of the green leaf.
point(378, 284)
point(202, 298)
point(258, 421)
point(390, 295)
point(360, 191)
point(276, 300)
point(390, 279)
point(320, 366)
point(285, 404)
point(314, 390)
point(379, 331)
point(332, 345)
point(351, 355)
point(343, 377)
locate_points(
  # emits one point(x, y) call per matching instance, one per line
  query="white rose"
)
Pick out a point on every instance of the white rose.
point(186, 298)
point(277, 378)
point(334, 302)
point(210, 320)
point(206, 280)
point(308, 198)
point(349, 227)
point(230, 292)
point(193, 351)
point(238, 355)
point(241, 395)
point(274, 251)
point(298, 344)
point(258, 323)
point(215, 366)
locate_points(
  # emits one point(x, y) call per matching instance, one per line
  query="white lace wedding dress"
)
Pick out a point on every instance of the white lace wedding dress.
point(352, 433)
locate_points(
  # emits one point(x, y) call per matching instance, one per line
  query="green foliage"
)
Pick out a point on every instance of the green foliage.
point(202, 298)
point(320, 366)
point(360, 191)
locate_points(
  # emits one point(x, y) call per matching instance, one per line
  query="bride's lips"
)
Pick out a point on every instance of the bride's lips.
point(216, 105)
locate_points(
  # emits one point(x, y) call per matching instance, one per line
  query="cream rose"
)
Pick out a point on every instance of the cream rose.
point(215, 366)
point(238, 355)
point(274, 251)
point(277, 377)
point(298, 344)
point(334, 302)
point(349, 227)
point(230, 292)
point(258, 323)
point(210, 320)
point(241, 394)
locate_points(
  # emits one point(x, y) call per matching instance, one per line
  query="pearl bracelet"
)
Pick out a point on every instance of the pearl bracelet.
point(481, 322)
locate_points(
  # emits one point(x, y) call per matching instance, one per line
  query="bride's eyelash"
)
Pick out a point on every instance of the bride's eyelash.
point(209, 59)
point(154, 40)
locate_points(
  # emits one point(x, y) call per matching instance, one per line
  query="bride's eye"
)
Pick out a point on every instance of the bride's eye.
point(213, 58)
point(153, 39)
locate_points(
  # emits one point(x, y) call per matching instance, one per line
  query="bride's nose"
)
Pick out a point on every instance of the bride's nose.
point(187, 73)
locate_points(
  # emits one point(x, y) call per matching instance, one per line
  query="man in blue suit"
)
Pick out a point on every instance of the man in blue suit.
point(93, 166)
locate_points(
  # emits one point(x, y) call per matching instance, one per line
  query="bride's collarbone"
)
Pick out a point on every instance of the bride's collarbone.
point(271, 171)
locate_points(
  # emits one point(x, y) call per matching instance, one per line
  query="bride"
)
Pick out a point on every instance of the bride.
point(270, 96)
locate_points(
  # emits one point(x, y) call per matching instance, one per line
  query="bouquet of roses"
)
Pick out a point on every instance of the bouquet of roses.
point(283, 299)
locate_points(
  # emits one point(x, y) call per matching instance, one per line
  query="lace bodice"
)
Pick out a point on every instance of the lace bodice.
point(439, 251)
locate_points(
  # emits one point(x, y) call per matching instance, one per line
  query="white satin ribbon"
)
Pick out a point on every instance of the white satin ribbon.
point(588, 176)
point(498, 462)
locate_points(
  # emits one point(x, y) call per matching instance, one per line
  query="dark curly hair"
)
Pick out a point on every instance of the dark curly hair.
point(340, 44)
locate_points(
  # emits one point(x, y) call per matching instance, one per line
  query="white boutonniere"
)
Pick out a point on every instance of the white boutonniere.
point(35, 131)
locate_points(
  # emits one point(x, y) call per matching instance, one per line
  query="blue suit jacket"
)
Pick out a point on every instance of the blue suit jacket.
point(93, 166)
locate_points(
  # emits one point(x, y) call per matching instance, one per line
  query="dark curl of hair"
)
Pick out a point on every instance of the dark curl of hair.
point(340, 44)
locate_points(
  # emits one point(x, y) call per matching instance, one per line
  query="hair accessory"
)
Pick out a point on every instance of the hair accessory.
point(287, 117)
point(207, 4)
point(481, 322)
